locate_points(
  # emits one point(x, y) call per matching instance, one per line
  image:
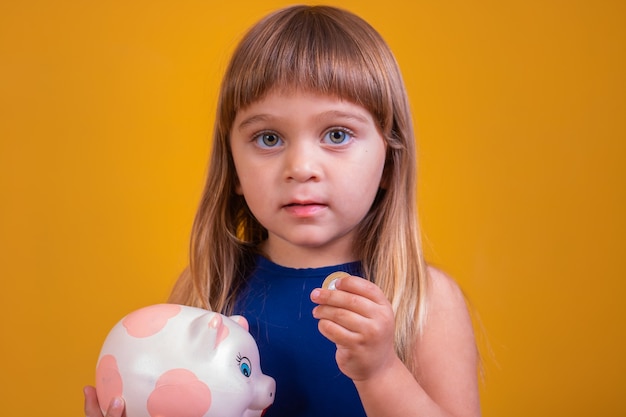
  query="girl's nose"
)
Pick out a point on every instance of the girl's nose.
point(302, 164)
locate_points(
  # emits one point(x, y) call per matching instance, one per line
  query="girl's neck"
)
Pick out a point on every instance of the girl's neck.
point(305, 257)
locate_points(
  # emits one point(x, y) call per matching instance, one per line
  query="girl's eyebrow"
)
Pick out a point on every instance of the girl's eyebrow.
point(333, 114)
point(330, 114)
point(253, 119)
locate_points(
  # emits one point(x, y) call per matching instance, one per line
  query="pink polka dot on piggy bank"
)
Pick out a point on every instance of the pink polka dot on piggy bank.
point(150, 320)
point(177, 361)
point(176, 387)
point(109, 379)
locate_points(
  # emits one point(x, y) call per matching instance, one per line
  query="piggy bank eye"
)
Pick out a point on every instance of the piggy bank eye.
point(244, 366)
point(245, 369)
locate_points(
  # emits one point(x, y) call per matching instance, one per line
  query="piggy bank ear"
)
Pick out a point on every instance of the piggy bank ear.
point(241, 320)
point(221, 331)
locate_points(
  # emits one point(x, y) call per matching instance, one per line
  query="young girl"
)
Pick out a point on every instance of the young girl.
point(313, 171)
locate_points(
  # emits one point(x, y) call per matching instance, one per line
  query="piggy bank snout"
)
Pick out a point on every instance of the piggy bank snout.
point(264, 392)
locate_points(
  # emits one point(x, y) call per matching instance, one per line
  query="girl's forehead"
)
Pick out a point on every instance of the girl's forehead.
point(295, 92)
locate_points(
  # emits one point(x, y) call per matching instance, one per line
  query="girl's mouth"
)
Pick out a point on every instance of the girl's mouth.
point(303, 210)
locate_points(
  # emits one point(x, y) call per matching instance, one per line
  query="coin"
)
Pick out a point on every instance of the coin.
point(330, 280)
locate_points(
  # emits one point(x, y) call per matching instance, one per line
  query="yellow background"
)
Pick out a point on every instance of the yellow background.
point(106, 110)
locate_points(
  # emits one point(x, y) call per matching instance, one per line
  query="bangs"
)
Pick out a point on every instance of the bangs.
point(314, 49)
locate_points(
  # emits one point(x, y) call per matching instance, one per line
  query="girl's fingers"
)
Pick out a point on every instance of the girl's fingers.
point(338, 334)
point(352, 293)
point(116, 408)
point(346, 319)
point(92, 408)
point(360, 286)
point(356, 313)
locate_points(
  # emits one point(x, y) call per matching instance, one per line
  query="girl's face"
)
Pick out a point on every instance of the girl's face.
point(309, 167)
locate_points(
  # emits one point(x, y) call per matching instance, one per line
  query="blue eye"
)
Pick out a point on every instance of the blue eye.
point(337, 136)
point(245, 370)
point(244, 366)
point(268, 140)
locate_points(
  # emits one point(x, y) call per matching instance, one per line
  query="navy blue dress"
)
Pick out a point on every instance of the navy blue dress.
point(276, 303)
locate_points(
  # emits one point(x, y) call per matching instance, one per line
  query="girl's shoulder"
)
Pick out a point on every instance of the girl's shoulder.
point(447, 306)
point(446, 352)
point(443, 291)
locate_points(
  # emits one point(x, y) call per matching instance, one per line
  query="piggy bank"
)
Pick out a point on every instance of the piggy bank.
point(169, 360)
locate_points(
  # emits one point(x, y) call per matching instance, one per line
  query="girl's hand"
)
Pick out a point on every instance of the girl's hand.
point(92, 408)
point(358, 318)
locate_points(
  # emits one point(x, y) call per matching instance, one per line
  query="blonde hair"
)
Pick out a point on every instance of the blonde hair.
point(332, 51)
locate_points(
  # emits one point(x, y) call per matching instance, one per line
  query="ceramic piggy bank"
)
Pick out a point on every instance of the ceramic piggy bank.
point(169, 360)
